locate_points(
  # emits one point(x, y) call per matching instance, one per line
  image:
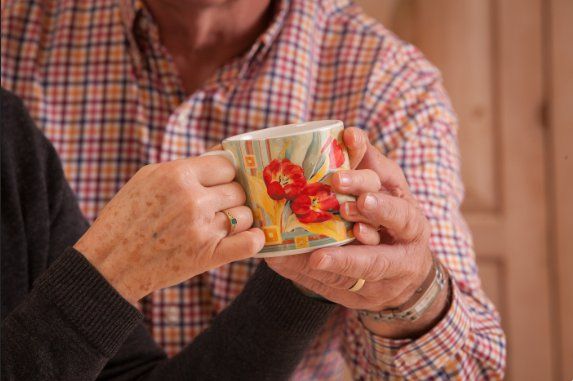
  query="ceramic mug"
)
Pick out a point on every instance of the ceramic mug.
point(285, 172)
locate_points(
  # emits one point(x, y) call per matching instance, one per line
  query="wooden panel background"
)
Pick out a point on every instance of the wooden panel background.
point(560, 89)
point(492, 56)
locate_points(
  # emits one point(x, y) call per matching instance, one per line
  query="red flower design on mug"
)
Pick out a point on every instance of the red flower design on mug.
point(315, 203)
point(336, 155)
point(283, 179)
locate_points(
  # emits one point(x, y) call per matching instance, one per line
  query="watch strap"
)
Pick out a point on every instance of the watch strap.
point(423, 298)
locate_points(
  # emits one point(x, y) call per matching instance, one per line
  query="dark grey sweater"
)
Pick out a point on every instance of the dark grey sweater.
point(69, 324)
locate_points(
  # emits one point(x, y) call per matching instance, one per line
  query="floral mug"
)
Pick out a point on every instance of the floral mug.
point(285, 172)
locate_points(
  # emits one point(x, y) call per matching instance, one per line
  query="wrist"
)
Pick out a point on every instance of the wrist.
point(401, 329)
point(114, 273)
point(419, 314)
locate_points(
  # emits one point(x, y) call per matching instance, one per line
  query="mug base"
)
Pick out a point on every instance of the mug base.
point(304, 250)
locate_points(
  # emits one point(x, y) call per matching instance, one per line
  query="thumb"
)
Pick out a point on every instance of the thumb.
point(239, 246)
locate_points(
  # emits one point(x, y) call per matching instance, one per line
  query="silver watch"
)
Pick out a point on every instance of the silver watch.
point(423, 298)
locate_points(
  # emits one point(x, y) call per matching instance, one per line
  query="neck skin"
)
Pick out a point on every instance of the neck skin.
point(203, 35)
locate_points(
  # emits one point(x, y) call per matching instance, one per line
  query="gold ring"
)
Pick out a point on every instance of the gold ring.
point(358, 285)
point(232, 221)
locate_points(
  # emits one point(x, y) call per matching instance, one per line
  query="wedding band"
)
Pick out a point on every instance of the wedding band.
point(358, 285)
point(232, 221)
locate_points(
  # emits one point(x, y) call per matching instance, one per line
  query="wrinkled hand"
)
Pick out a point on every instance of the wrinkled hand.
point(392, 253)
point(166, 225)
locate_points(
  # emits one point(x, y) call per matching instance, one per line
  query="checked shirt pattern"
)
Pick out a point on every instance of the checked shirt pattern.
point(98, 81)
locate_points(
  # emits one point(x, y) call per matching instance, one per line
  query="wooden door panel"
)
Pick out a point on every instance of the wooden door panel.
point(561, 92)
point(490, 55)
point(460, 43)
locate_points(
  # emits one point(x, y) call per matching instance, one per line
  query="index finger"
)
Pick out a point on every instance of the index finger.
point(405, 221)
point(356, 142)
point(390, 173)
point(371, 263)
point(212, 170)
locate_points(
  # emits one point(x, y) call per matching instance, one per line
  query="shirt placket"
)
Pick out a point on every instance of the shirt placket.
point(160, 88)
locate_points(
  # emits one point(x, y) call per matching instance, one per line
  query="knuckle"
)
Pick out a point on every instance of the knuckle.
point(390, 211)
point(357, 178)
point(415, 224)
point(251, 245)
point(410, 223)
point(374, 178)
point(323, 290)
point(394, 167)
point(228, 197)
point(237, 192)
point(347, 265)
point(337, 281)
point(377, 267)
point(147, 169)
point(195, 205)
point(232, 195)
point(178, 174)
point(221, 163)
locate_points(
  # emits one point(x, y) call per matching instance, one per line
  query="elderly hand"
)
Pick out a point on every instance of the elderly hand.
point(392, 253)
point(167, 224)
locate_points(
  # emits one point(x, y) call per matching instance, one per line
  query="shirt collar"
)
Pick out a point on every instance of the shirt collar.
point(265, 40)
point(131, 11)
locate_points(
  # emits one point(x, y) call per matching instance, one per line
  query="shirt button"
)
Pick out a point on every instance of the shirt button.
point(410, 360)
point(387, 359)
point(182, 118)
point(172, 315)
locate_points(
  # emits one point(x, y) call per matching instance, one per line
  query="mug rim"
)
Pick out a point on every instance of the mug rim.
point(287, 130)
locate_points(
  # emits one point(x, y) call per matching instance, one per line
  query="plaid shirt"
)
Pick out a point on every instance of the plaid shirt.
point(106, 92)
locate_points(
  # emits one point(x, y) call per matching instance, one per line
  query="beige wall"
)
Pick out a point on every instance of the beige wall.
point(508, 66)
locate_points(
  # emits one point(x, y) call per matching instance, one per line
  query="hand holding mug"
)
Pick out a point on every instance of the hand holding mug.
point(394, 256)
point(169, 223)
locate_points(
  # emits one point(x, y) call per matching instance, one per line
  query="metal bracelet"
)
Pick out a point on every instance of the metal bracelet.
point(413, 309)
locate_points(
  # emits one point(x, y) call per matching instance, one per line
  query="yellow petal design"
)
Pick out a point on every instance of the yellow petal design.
point(261, 199)
point(320, 173)
point(334, 228)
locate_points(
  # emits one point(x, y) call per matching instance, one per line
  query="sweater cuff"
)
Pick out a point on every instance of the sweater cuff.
point(85, 298)
point(279, 301)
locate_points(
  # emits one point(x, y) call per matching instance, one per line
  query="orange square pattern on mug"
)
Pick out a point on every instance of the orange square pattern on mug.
point(272, 234)
point(301, 241)
point(250, 161)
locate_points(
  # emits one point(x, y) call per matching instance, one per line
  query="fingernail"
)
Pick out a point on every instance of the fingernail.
point(324, 263)
point(361, 228)
point(344, 179)
point(370, 202)
point(350, 211)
